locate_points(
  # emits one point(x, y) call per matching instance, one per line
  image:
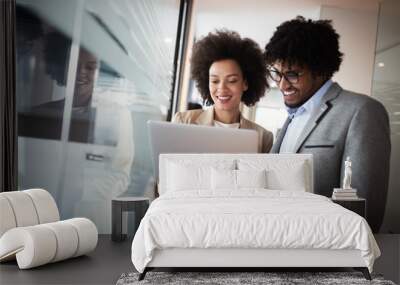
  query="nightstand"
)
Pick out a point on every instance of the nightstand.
point(138, 205)
point(357, 205)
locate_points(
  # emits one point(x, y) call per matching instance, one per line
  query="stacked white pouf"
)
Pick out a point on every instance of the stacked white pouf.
point(32, 233)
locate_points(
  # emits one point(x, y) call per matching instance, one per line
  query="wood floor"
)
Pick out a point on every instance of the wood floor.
point(111, 259)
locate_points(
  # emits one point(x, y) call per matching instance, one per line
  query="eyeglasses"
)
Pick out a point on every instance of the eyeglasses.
point(290, 76)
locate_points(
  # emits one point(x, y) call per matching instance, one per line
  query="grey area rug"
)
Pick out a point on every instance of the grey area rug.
point(229, 278)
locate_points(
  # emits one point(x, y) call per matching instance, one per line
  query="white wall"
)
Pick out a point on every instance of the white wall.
point(357, 30)
point(256, 19)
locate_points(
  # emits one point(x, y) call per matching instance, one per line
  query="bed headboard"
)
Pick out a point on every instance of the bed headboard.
point(286, 167)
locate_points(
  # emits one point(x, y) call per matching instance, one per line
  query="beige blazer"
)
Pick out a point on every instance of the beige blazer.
point(206, 117)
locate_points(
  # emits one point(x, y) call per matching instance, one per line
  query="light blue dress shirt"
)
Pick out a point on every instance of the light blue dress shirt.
point(300, 117)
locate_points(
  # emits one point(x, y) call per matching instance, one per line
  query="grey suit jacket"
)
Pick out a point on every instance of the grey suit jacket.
point(206, 117)
point(354, 125)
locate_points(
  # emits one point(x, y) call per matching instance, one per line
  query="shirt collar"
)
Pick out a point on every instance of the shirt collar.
point(311, 103)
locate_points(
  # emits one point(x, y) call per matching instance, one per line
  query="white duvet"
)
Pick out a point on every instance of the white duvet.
point(250, 219)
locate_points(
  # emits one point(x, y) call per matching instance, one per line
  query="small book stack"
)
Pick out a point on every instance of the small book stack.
point(344, 194)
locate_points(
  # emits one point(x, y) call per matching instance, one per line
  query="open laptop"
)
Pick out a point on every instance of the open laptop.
point(166, 137)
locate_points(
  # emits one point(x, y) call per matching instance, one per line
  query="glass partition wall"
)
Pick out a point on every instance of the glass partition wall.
point(386, 88)
point(90, 73)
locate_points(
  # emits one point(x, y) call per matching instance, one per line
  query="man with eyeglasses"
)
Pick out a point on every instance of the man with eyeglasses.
point(325, 120)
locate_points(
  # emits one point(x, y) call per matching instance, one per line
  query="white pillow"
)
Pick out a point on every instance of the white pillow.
point(236, 179)
point(282, 174)
point(291, 179)
point(185, 175)
point(251, 178)
point(181, 178)
point(223, 179)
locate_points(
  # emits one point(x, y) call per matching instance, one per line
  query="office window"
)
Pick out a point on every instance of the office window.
point(89, 76)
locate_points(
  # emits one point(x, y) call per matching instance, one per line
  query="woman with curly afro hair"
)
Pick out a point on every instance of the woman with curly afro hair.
point(228, 70)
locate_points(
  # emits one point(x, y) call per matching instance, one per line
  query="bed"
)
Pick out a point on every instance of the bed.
point(247, 210)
